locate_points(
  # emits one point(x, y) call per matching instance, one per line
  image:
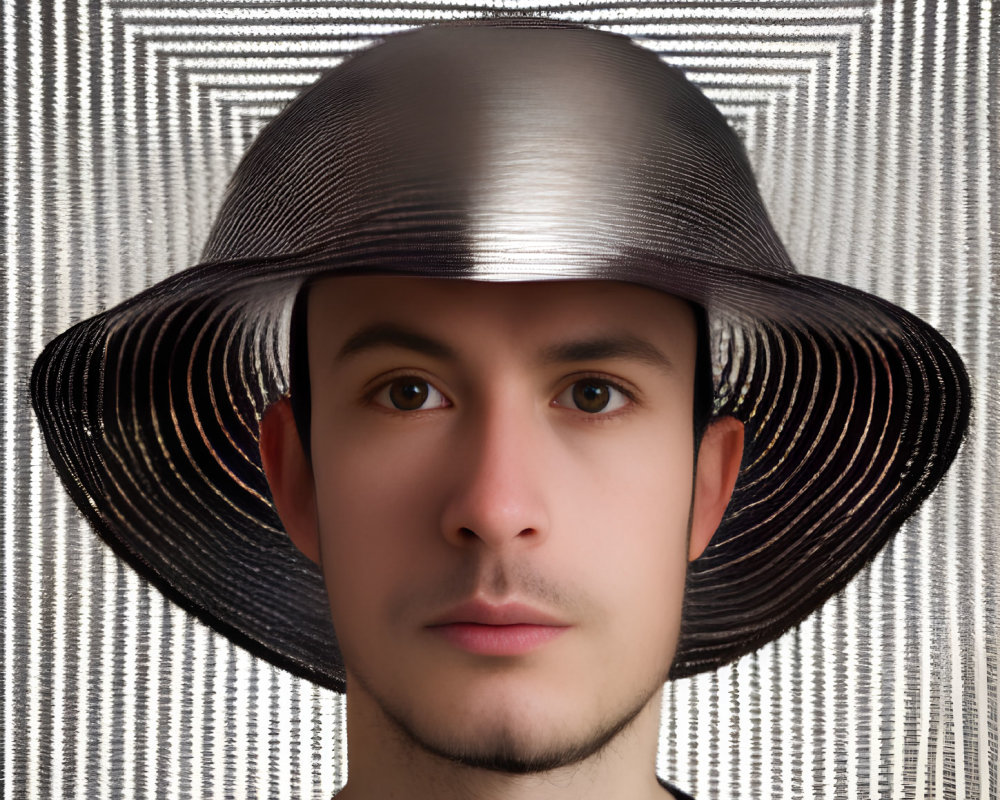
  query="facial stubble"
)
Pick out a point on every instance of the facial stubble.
point(505, 750)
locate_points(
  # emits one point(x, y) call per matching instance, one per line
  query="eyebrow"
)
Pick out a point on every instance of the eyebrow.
point(627, 346)
point(389, 334)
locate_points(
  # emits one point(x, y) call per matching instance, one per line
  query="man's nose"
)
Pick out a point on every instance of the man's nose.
point(498, 493)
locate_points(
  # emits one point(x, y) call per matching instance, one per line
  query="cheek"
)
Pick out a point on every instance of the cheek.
point(638, 522)
point(374, 503)
point(641, 484)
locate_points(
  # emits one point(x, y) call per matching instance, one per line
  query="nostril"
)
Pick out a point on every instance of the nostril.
point(468, 533)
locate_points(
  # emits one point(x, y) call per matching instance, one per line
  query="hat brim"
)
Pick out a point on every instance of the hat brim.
point(853, 409)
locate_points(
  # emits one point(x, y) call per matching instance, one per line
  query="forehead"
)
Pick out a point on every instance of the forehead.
point(516, 310)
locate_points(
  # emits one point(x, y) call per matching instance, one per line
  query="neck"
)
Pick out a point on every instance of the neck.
point(386, 764)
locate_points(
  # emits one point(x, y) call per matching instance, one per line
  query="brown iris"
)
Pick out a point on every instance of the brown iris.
point(591, 396)
point(408, 394)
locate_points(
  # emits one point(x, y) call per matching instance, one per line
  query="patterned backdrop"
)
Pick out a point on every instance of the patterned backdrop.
point(874, 131)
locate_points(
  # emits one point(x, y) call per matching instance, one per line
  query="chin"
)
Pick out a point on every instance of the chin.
point(510, 752)
point(511, 743)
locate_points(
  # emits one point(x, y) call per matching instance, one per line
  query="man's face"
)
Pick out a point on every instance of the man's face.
point(503, 478)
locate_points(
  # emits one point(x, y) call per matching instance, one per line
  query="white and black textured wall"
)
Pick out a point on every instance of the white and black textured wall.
point(874, 130)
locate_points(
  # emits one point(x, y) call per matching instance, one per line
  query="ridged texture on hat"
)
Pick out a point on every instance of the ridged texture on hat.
point(499, 152)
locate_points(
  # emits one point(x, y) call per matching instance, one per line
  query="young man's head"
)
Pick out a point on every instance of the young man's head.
point(502, 493)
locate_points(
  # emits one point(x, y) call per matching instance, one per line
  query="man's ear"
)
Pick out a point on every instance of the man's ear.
point(290, 477)
point(719, 459)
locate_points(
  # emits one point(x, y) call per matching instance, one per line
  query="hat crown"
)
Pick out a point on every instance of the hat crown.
point(502, 149)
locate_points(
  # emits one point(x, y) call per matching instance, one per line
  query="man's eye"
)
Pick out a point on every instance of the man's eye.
point(593, 395)
point(409, 393)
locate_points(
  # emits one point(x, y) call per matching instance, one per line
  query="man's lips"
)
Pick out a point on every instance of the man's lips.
point(479, 613)
point(509, 629)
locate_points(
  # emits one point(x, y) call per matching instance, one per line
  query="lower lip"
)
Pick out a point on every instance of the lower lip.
point(498, 640)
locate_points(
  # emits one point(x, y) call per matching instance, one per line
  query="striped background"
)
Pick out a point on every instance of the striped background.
point(875, 132)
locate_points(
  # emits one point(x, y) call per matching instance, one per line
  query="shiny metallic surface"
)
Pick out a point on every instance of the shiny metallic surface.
point(870, 131)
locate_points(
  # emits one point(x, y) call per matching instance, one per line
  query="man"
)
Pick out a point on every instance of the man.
point(495, 471)
point(520, 459)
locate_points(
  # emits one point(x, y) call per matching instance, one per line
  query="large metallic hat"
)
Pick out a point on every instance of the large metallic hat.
point(498, 151)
